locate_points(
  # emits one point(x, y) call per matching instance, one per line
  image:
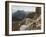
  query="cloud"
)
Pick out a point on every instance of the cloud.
point(25, 8)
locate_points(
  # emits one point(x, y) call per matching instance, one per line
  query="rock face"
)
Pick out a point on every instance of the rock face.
point(26, 25)
point(23, 27)
point(31, 24)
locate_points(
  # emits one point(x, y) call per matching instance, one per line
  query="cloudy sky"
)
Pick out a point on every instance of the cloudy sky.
point(25, 8)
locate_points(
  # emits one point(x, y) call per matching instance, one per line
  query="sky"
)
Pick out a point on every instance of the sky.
point(25, 8)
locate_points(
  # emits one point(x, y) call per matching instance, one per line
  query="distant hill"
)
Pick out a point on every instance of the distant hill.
point(19, 15)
